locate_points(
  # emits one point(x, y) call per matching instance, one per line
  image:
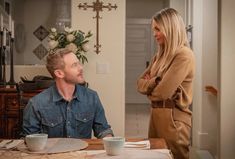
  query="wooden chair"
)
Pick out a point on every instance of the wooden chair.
point(25, 92)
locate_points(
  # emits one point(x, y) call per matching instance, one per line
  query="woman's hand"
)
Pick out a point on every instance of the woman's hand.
point(147, 77)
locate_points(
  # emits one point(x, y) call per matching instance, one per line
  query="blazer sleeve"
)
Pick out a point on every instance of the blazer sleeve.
point(177, 72)
point(145, 86)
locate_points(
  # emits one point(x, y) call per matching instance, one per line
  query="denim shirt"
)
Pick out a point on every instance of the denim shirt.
point(49, 113)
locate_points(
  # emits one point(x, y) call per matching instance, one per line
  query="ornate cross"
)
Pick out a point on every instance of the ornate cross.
point(97, 7)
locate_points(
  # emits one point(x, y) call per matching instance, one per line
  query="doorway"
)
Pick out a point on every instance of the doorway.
point(139, 50)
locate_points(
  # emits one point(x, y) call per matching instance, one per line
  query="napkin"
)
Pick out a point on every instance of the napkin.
point(132, 153)
point(139, 144)
point(8, 144)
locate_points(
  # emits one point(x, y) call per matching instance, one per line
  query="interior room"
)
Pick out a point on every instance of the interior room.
point(120, 48)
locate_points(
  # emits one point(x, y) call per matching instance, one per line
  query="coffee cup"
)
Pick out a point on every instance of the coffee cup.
point(36, 142)
point(113, 145)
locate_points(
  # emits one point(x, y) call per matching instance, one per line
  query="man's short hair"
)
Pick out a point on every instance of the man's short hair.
point(55, 60)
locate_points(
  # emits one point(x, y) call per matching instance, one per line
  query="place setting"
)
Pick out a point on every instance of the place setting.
point(41, 144)
point(10, 144)
point(118, 148)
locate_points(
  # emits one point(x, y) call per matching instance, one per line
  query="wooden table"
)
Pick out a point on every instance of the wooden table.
point(93, 144)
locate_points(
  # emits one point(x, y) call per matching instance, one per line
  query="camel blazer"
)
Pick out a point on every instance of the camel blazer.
point(176, 83)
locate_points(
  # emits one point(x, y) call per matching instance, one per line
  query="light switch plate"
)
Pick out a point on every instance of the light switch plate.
point(102, 68)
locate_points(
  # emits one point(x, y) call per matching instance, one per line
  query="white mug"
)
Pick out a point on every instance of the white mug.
point(36, 142)
point(113, 145)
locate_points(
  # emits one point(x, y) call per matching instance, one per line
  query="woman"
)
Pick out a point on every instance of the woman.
point(167, 82)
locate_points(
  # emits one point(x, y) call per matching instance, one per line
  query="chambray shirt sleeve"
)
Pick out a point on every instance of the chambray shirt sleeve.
point(31, 121)
point(101, 127)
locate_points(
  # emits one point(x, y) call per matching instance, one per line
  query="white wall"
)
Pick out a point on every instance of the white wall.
point(110, 86)
point(205, 46)
point(227, 78)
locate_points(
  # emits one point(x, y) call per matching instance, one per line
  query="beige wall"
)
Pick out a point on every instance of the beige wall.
point(180, 6)
point(227, 78)
point(197, 48)
point(210, 106)
point(110, 85)
point(30, 14)
point(28, 71)
point(144, 9)
point(213, 126)
point(205, 46)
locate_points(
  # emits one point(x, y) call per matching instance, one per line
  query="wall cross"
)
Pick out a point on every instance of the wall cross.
point(97, 7)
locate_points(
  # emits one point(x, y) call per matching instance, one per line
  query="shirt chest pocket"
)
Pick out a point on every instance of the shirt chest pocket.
point(84, 120)
point(84, 117)
point(52, 124)
point(51, 121)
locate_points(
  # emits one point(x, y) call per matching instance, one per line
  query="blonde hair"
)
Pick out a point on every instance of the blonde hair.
point(55, 60)
point(171, 24)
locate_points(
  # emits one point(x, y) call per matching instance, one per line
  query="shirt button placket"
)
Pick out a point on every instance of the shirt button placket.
point(68, 125)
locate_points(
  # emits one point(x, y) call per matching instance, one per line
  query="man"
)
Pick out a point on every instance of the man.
point(66, 109)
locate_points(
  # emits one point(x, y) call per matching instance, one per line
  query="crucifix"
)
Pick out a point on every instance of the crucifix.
point(97, 7)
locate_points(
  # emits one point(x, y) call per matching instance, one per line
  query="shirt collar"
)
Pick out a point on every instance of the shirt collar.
point(78, 93)
point(55, 93)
